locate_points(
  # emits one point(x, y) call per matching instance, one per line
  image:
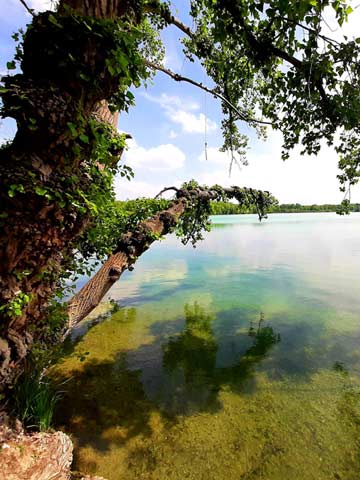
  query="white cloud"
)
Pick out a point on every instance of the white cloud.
point(214, 156)
point(155, 167)
point(332, 29)
point(172, 134)
point(303, 179)
point(134, 189)
point(172, 101)
point(191, 123)
point(125, 189)
point(42, 5)
point(161, 157)
point(181, 111)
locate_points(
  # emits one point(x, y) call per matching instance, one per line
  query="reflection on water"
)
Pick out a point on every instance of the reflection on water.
point(239, 360)
point(190, 360)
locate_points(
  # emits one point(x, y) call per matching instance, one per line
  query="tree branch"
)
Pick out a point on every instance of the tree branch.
point(180, 78)
point(130, 246)
point(134, 243)
point(164, 12)
point(261, 47)
point(167, 189)
point(311, 30)
point(30, 10)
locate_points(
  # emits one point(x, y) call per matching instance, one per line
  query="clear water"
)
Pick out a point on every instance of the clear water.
point(237, 360)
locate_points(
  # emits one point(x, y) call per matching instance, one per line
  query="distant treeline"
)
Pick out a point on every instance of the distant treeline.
point(225, 208)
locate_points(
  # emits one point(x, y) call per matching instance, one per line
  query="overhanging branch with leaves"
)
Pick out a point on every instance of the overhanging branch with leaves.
point(187, 214)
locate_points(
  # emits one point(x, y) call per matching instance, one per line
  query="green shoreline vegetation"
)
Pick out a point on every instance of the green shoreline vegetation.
point(130, 207)
point(227, 208)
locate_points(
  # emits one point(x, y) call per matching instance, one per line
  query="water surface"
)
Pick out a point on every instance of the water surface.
point(239, 359)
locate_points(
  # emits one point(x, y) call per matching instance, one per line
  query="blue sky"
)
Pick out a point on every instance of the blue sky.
point(168, 129)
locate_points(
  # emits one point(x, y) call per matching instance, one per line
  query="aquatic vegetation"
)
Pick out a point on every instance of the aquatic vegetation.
point(220, 368)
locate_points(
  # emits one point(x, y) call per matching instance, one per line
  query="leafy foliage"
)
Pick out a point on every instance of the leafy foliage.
point(272, 57)
point(195, 219)
point(15, 305)
point(118, 217)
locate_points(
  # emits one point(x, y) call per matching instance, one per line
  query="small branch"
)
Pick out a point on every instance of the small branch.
point(180, 78)
point(184, 28)
point(311, 30)
point(166, 190)
point(30, 10)
point(164, 13)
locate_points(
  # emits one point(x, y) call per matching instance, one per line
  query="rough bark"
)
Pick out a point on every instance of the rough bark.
point(40, 456)
point(38, 234)
point(131, 245)
point(110, 9)
point(36, 456)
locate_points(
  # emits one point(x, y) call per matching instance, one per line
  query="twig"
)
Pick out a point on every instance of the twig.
point(165, 190)
point(30, 10)
point(311, 30)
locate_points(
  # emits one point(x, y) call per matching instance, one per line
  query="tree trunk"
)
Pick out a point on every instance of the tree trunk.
point(43, 169)
point(131, 246)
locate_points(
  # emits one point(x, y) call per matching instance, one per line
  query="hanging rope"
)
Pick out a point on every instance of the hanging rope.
point(205, 120)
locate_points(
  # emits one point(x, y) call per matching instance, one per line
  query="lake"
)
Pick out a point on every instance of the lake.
point(239, 359)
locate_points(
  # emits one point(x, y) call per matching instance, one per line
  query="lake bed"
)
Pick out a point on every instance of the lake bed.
point(239, 359)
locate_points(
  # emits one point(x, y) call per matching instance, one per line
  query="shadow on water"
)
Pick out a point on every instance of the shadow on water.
point(190, 362)
point(109, 402)
point(182, 372)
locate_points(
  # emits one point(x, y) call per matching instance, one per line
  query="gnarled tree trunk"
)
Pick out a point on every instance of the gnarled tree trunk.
point(42, 170)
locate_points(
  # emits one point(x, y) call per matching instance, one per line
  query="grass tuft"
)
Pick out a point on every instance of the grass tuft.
point(35, 400)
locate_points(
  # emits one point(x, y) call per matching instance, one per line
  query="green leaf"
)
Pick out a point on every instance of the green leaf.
point(84, 77)
point(54, 21)
point(72, 128)
point(40, 191)
point(11, 65)
point(84, 138)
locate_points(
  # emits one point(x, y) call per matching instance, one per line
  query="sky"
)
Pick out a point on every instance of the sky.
point(168, 126)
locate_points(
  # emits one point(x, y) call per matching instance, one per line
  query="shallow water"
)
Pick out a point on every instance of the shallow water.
point(237, 360)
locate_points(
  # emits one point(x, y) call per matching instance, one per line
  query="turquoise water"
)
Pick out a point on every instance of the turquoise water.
point(239, 359)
